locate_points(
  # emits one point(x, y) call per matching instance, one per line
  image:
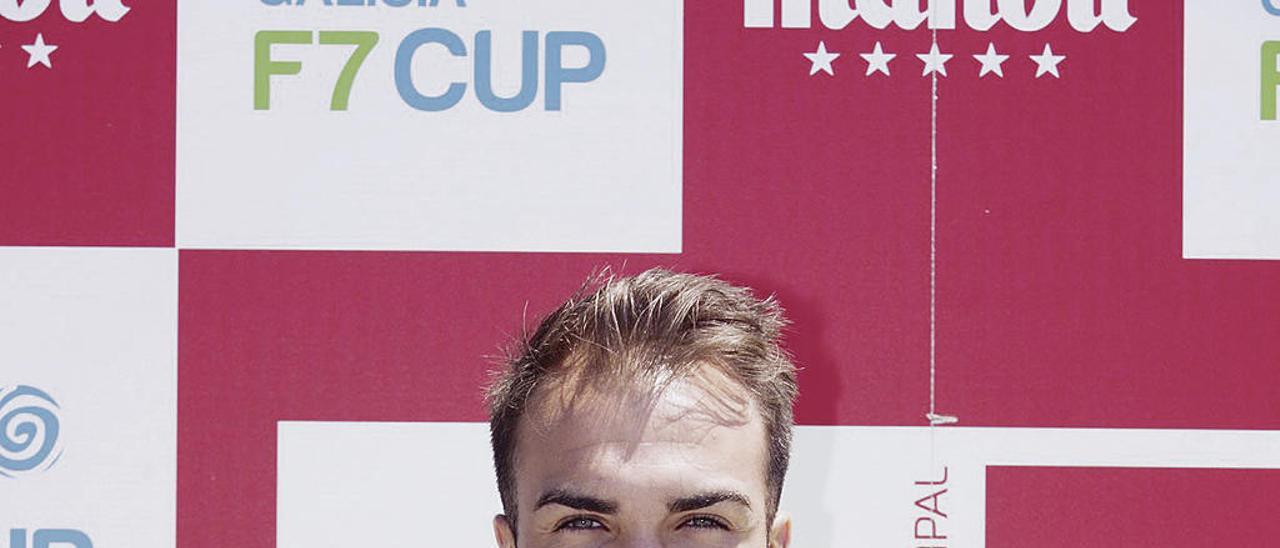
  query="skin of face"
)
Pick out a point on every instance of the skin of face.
point(682, 468)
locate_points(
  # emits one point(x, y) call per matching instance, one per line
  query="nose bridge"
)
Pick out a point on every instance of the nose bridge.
point(645, 539)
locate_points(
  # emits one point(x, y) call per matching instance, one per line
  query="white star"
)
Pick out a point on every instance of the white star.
point(934, 61)
point(1047, 62)
point(991, 61)
point(38, 52)
point(821, 60)
point(878, 60)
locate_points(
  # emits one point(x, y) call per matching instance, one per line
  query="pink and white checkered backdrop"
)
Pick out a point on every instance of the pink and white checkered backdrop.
point(257, 255)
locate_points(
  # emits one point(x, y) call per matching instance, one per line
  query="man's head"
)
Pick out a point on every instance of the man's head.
point(655, 408)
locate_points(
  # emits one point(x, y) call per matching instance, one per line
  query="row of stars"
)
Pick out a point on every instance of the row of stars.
point(935, 61)
point(38, 52)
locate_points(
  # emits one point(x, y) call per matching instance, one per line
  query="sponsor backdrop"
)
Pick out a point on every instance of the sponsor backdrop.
point(256, 256)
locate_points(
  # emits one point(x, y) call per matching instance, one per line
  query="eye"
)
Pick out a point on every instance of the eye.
point(580, 523)
point(704, 522)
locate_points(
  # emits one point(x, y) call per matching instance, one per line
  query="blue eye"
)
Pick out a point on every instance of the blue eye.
point(580, 523)
point(704, 522)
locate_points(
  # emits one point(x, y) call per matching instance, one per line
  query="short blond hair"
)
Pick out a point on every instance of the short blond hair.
point(655, 325)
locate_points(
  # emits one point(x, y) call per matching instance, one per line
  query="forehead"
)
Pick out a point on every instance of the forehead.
point(702, 430)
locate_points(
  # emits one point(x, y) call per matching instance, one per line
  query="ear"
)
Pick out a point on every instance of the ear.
point(503, 532)
point(780, 532)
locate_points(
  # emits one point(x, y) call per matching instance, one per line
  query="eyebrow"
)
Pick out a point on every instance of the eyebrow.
point(577, 501)
point(703, 500)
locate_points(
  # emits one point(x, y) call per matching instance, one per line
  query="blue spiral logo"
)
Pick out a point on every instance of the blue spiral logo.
point(28, 431)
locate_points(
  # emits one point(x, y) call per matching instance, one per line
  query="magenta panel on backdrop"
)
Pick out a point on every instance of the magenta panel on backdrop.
point(87, 132)
point(1070, 507)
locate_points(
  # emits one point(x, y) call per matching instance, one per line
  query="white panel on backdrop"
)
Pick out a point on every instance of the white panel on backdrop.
point(377, 126)
point(1231, 160)
point(384, 484)
point(402, 484)
point(88, 364)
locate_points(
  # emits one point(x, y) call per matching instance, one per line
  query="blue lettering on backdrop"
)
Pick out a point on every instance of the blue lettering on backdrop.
point(557, 74)
point(1271, 6)
point(46, 538)
point(404, 69)
point(528, 74)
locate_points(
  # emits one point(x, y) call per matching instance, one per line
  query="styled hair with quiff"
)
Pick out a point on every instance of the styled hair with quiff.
point(647, 330)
